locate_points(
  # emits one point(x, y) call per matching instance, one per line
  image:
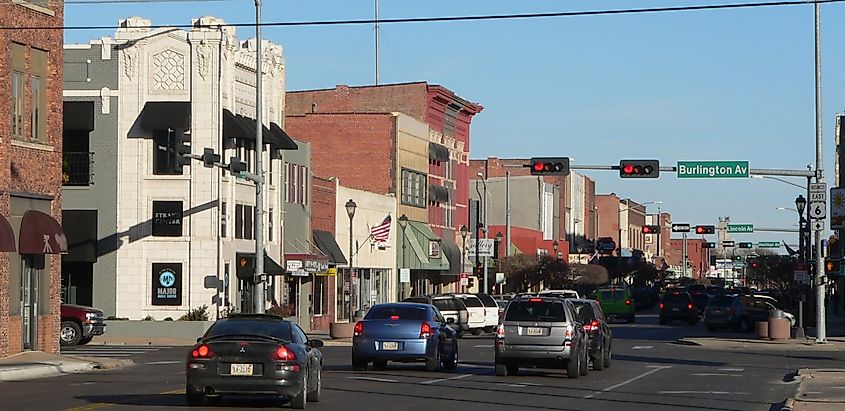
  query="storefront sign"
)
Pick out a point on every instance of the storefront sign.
point(331, 272)
point(404, 275)
point(314, 266)
point(167, 218)
point(293, 265)
point(167, 284)
point(434, 248)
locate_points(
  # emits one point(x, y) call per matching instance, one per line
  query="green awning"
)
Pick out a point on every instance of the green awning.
point(421, 249)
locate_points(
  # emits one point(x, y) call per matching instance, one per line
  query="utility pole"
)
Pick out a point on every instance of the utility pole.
point(377, 45)
point(821, 326)
point(486, 236)
point(508, 213)
point(259, 297)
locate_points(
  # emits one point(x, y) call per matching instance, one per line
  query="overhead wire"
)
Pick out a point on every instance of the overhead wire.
point(667, 9)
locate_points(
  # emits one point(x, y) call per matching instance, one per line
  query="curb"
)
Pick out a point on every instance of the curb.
point(45, 370)
point(684, 341)
point(789, 403)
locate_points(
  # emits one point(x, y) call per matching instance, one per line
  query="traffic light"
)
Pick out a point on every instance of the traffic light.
point(209, 158)
point(245, 266)
point(236, 166)
point(639, 168)
point(754, 264)
point(183, 146)
point(708, 245)
point(549, 166)
point(651, 229)
point(831, 266)
point(705, 229)
point(746, 245)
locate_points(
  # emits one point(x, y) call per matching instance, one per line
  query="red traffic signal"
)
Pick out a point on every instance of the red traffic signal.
point(639, 168)
point(549, 166)
point(705, 229)
point(651, 229)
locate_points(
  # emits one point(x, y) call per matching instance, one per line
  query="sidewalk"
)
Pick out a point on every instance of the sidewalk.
point(37, 364)
point(819, 390)
point(751, 342)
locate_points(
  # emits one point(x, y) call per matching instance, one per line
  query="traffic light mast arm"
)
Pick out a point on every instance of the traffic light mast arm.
point(753, 171)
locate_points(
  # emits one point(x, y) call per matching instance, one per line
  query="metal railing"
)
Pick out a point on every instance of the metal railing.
point(77, 169)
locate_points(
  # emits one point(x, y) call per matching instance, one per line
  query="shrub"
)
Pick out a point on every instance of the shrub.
point(168, 319)
point(286, 310)
point(197, 314)
point(149, 318)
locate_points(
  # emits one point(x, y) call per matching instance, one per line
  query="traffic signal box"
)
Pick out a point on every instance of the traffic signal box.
point(639, 168)
point(746, 245)
point(245, 268)
point(705, 229)
point(651, 229)
point(549, 166)
point(832, 266)
point(708, 245)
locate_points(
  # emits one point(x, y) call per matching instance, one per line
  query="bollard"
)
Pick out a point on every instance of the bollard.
point(778, 328)
point(762, 328)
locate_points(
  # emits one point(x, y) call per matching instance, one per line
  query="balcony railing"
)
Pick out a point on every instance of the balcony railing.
point(76, 169)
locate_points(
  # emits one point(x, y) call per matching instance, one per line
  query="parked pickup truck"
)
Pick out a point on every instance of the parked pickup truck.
point(80, 324)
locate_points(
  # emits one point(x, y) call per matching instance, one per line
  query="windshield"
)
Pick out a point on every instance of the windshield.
point(472, 302)
point(721, 301)
point(384, 312)
point(447, 304)
point(243, 326)
point(535, 311)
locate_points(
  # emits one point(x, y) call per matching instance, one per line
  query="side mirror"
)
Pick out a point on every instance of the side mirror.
point(315, 343)
point(450, 321)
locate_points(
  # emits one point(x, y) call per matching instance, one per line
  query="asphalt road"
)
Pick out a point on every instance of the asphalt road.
point(649, 372)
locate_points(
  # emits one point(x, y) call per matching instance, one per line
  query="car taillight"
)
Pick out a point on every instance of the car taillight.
point(202, 352)
point(425, 331)
point(689, 306)
point(394, 317)
point(535, 300)
point(569, 332)
point(627, 302)
point(359, 330)
point(595, 324)
point(284, 354)
point(661, 306)
point(500, 331)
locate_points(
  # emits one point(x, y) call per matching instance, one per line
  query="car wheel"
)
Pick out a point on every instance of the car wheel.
point(607, 355)
point(476, 331)
point(598, 362)
point(452, 363)
point(314, 395)
point(193, 398)
point(70, 333)
point(460, 334)
point(573, 368)
point(298, 402)
point(585, 363)
point(433, 364)
point(489, 330)
point(501, 370)
point(358, 364)
point(379, 364)
point(85, 340)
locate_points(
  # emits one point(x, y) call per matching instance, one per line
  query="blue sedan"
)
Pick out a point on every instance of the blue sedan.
point(404, 332)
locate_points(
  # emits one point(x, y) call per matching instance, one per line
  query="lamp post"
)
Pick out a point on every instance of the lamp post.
point(800, 204)
point(403, 222)
point(484, 207)
point(350, 211)
point(499, 238)
point(464, 233)
point(554, 247)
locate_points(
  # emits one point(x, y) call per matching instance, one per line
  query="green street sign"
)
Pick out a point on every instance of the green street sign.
point(713, 169)
point(768, 244)
point(740, 228)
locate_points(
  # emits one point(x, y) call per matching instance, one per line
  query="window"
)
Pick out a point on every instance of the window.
point(319, 287)
point(239, 221)
point(223, 217)
point(414, 191)
point(303, 185)
point(287, 183)
point(243, 222)
point(294, 171)
point(270, 225)
point(164, 159)
point(296, 184)
point(38, 96)
point(18, 68)
point(248, 229)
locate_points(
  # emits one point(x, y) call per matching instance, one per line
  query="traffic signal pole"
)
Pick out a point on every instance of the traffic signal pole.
point(821, 326)
point(258, 295)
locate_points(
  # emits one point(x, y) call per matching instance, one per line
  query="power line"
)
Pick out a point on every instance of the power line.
point(449, 18)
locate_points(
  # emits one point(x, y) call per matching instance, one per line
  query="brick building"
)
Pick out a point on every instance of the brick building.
point(698, 258)
point(608, 206)
point(30, 177)
point(323, 217)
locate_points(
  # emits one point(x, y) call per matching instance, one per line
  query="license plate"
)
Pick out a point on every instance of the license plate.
point(240, 369)
point(533, 331)
point(390, 346)
point(676, 309)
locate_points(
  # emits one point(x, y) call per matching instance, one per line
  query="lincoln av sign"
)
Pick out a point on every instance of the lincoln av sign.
point(713, 169)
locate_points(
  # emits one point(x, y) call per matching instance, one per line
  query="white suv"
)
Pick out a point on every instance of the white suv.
point(477, 312)
point(561, 293)
point(491, 312)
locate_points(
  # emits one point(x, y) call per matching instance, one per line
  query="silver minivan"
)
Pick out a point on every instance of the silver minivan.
point(541, 331)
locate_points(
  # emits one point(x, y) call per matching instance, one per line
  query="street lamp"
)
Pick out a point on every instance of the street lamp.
point(464, 233)
point(350, 211)
point(403, 222)
point(484, 207)
point(800, 204)
point(779, 179)
point(554, 247)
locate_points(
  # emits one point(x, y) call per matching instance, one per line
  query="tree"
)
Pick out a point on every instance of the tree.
point(589, 274)
point(525, 272)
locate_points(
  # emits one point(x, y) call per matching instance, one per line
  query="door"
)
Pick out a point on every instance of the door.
point(304, 304)
point(29, 302)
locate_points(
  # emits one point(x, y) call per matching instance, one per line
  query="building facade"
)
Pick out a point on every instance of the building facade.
point(31, 235)
point(153, 224)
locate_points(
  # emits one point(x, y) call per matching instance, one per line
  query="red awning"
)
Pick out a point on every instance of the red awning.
point(41, 234)
point(7, 237)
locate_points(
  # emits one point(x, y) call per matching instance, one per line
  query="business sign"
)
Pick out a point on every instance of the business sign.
point(485, 247)
point(837, 208)
point(434, 248)
point(740, 228)
point(500, 278)
point(167, 218)
point(464, 279)
point(404, 275)
point(316, 266)
point(713, 169)
point(681, 228)
point(768, 244)
point(167, 284)
point(330, 272)
point(293, 265)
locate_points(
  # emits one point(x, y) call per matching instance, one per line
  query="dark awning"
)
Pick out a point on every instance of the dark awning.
point(437, 152)
point(438, 194)
point(234, 128)
point(80, 226)
point(283, 140)
point(40, 233)
point(78, 115)
point(7, 236)
point(453, 254)
point(327, 244)
point(161, 115)
point(243, 128)
point(271, 267)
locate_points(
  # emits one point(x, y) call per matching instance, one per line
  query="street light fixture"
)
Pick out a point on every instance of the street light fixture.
point(554, 247)
point(350, 211)
point(464, 234)
point(800, 203)
point(403, 222)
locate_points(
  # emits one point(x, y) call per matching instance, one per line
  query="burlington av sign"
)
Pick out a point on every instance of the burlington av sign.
point(713, 169)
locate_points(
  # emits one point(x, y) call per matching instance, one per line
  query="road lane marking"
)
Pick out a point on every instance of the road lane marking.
point(483, 346)
point(714, 374)
point(630, 380)
point(163, 362)
point(732, 369)
point(372, 379)
point(643, 347)
point(705, 392)
point(98, 405)
point(446, 379)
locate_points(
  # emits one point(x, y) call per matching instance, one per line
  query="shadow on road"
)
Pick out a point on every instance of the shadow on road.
point(673, 361)
point(178, 400)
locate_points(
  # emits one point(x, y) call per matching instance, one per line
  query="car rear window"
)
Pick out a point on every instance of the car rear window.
point(676, 296)
point(422, 300)
point(611, 295)
point(446, 304)
point(584, 311)
point(472, 302)
point(535, 311)
point(721, 301)
point(487, 300)
point(235, 327)
point(384, 312)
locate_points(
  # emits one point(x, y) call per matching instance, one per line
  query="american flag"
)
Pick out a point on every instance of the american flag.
point(381, 232)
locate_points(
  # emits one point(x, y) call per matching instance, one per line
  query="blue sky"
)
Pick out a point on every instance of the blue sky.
point(703, 85)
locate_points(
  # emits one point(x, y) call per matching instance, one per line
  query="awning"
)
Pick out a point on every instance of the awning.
point(7, 236)
point(421, 249)
point(437, 152)
point(80, 226)
point(78, 115)
point(453, 254)
point(241, 127)
point(327, 244)
point(234, 128)
point(161, 115)
point(283, 140)
point(271, 267)
point(438, 194)
point(40, 233)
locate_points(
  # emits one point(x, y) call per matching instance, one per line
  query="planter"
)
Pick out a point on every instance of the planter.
point(341, 330)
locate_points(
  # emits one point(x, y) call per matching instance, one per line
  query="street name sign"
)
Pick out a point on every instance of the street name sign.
point(713, 169)
point(681, 228)
point(740, 228)
point(768, 244)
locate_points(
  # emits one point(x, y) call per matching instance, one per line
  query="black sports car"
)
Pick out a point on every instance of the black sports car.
point(254, 354)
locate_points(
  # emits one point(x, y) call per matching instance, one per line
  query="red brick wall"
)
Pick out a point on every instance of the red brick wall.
point(35, 170)
point(608, 205)
point(698, 257)
point(359, 149)
point(407, 98)
point(323, 203)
